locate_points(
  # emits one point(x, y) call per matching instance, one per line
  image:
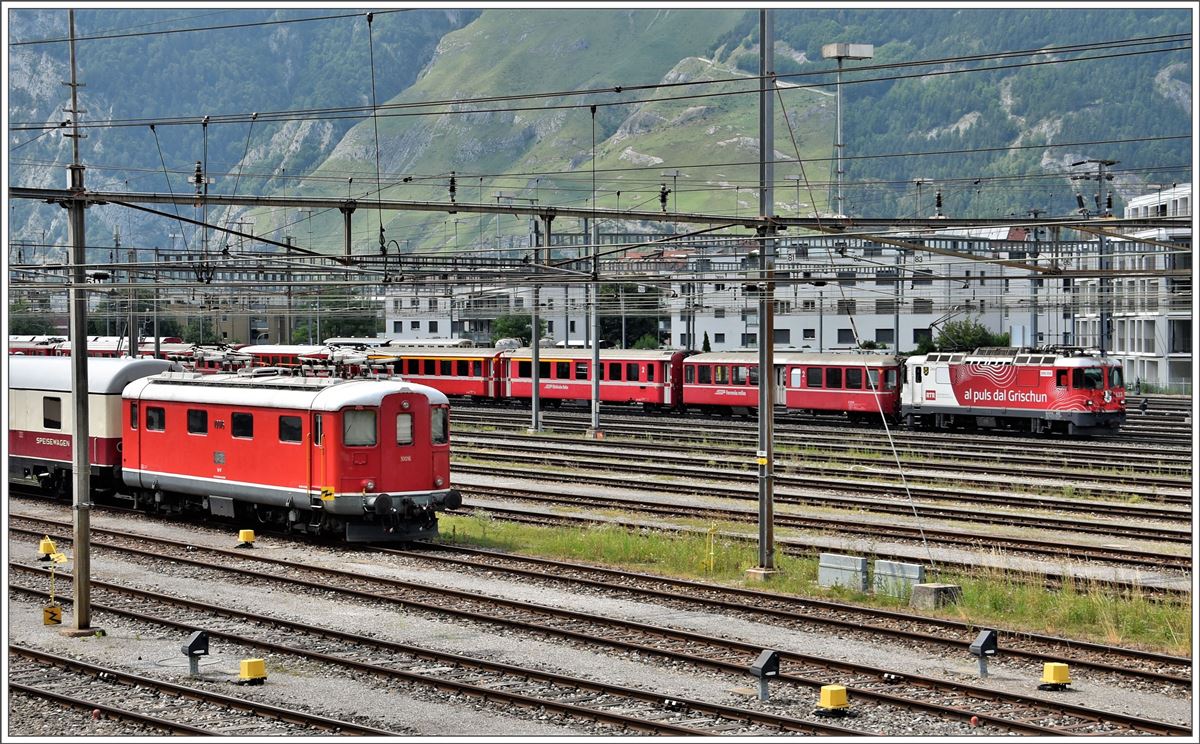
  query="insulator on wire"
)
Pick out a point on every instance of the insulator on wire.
point(453, 188)
point(662, 196)
point(1079, 201)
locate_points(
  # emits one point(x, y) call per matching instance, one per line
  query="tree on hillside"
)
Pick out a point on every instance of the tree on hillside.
point(25, 320)
point(648, 341)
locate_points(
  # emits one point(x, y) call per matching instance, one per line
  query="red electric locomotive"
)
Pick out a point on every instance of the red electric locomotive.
point(1067, 390)
point(366, 459)
point(649, 377)
point(41, 418)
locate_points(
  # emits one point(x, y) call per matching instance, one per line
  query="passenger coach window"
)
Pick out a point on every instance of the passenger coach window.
point(854, 378)
point(446, 367)
point(797, 377)
point(813, 377)
point(358, 428)
point(649, 373)
point(873, 379)
point(133, 415)
point(525, 369)
point(631, 372)
point(721, 374)
point(243, 425)
point(562, 370)
point(890, 380)
point(438, 432)
point(404, 428)
point(689, 375)
point(614, 371)
point(156, 418)
point(544, 370)
point(51, 413)
point(463, 368)
point(833, 378)
point(581, 370)
point(705, 375)
point(197, 421)
point(477, 369)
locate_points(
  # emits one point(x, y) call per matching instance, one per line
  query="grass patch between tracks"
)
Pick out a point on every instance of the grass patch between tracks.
point(1090, 613)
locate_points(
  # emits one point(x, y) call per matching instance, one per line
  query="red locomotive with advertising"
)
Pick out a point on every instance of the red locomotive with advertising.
point(1067, 390)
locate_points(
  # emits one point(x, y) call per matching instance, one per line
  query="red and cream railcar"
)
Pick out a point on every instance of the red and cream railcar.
point(461, 372)
point(649, 377)
point(41, 418)
point(863, 386)
point(365, 459)
point(1068, 390)
point(34, 345)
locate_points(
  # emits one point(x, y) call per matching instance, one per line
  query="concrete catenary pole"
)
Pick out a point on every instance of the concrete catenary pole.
point(80, 464)
point(766, 320)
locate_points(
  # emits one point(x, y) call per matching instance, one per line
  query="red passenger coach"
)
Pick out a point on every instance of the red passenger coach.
point(863, 386)
point(41, 416)
point(364, 459)
point(650, 377)
point(474, 373)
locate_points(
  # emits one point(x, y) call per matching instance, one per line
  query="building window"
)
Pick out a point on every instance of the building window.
point(783, 335)
point(414, 325)
point(749, 339)
point(885, 307)
point(719, 312)
point(397, 326)
point(922, 334)
point(433, 326)
point(885, 335)
point(846, 307)
point(846, 278)
point(809, 333)
point(922, 277)
point(719, 338)
point(845, 336)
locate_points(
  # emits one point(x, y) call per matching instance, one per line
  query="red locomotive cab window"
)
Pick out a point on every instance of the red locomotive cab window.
point(243, 425)
point(197, 421)
point(404, 430)
point(439, 424)
point(358, 428)
point(133, 415)
point(854, 378)
point(290, 429)
point(318, 430)
point(156, 418)
point(1060, 377)
point(1091, 378)
point(1114, 377)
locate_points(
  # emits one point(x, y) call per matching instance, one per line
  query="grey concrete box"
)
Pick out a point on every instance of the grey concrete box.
point(897, 579)
point(933, 596)
point(842, 570)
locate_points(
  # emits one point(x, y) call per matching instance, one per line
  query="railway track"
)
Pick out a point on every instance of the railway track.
point(796, 465)
point(881, 625)
point(1005, 711)
point(174, 708)
point(1055, 549)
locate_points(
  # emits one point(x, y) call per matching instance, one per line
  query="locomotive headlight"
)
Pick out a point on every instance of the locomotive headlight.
point(439, 481)
point(404, 404)
point(369, 485)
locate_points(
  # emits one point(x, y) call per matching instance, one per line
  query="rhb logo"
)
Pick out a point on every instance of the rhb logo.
point(930, 395)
